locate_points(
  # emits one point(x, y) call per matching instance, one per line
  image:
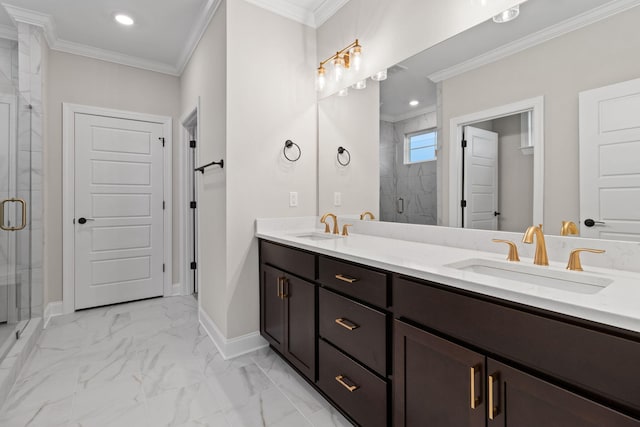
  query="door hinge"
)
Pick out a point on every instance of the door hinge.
point(194, 265)
point(163, 268)
point(164, 205)
point(161, 140)
point(193, 205)
point(464, 143)
point(463, 203)
point(192, 144)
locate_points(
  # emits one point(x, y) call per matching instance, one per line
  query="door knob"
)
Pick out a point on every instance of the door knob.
point(590, 222)
point(83, 220)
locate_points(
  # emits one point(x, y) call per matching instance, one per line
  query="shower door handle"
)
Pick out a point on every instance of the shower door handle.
point(23, 206)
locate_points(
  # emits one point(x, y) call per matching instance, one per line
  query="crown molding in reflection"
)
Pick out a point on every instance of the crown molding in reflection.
point(47, 24)
point(289, 9)
point(537, 38)
point(408, 115)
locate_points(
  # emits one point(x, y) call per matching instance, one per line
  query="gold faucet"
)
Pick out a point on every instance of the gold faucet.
point(568, 227)
point(540, 257)
point(326, 226)
point(363, 215)
point(574, 259)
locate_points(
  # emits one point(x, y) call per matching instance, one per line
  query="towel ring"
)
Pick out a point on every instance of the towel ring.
point(342, 150)
point(287, 145)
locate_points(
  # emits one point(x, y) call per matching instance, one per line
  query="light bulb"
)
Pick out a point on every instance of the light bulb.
point(321, 79)
point(338, 69)
point(508, 15)
point(362, 84)
point(343, 92)
point(356, 57)
point(380, 75)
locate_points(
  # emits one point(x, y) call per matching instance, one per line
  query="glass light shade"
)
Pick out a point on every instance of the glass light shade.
point(380, 76)
point(362, 84)
point(508, 15)
point(356, 58)
point(343, 92)
point(338, 69)
point(321, 79)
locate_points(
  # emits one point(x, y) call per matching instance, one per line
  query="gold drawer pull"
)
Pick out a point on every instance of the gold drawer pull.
point(344, 382)
point(346, 279)
point(476, 399)
point(493, 409)
point(347, 324)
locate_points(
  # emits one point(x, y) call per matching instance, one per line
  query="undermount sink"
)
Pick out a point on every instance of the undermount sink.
point(571, 281)
point(316, 236)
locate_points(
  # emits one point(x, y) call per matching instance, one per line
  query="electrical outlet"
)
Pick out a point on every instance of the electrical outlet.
point(293, 199)
point(337, 199)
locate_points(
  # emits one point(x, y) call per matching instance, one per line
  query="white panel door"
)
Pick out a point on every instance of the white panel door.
point(118, 210)
point(481, 179)
point(610, 162)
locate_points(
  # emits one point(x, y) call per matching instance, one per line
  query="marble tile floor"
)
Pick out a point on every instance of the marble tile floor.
point(150, 364)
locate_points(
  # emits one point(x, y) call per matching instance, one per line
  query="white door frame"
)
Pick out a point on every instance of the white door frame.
point(184, 197)
point(456, 127)
point(68, 192)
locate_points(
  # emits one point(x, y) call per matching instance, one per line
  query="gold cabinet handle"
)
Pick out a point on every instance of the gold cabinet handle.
point(347, 324)
point(346, 278)
point(513, 249)
point(574, 259)
point(341, 379)
point(23, 225)
point(476, 399)
point(493, 408)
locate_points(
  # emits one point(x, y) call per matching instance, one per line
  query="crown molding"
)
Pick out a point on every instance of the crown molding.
point(536, 38)
point(326, 10)
point(31, 17)
point(408, 115)
point(8, 32)
point(197, 33)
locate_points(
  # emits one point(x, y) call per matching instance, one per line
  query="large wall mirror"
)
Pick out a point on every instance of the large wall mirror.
point(488, 129)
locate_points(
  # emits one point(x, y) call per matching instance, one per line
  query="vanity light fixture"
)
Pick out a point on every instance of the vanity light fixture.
point(362, 84)
point(123, 19)
point(380, 76)
point(507, 15)
point(343, 60)
point(414, 103)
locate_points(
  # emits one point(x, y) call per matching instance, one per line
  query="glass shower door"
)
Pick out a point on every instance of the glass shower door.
point(15, 224)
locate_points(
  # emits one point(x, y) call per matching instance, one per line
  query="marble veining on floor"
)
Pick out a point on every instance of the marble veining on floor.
point(150, 364)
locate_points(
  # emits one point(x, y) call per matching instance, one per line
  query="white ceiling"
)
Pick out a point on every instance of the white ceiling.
point(165, 31)
point(485, 42)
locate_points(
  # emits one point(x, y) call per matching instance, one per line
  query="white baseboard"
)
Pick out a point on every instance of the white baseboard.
point(52, 309)
point(234, 347)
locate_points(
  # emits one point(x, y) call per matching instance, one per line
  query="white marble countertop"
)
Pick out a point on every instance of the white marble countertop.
point(617, 305)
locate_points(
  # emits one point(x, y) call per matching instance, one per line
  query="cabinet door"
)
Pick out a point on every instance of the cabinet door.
point(517, 399)
point(436, 383)
point(271, 306)
point(300, 319)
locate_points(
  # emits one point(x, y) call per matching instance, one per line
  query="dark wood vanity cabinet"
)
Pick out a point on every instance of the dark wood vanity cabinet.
point(288, 306)
point(398, 351)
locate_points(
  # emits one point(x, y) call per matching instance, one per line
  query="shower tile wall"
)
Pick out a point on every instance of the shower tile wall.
point(30, 82)
point(416, 184)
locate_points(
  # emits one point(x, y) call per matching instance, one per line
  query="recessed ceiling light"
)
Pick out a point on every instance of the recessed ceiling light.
point(124, 19)
point(508, 15)
point(414, 103)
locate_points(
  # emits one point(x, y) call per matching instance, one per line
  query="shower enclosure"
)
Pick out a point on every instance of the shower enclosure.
point(16, 172)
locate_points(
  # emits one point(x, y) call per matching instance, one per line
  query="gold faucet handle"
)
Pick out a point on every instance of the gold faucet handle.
point(574, 259)
point(345, 230)
point(513, 250)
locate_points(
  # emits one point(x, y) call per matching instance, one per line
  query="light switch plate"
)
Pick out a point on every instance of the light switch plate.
point(293, 199)
point(337, 198)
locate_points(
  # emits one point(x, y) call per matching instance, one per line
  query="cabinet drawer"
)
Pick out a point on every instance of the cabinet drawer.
point(354, 328)
point(594, 361)
point(366, 402)
point(288, 259)
point(359, 282)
